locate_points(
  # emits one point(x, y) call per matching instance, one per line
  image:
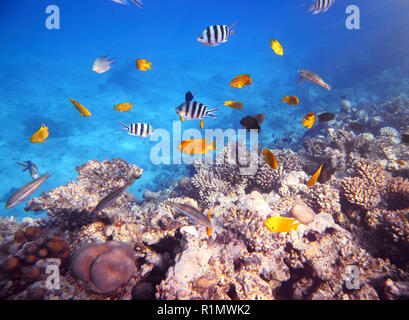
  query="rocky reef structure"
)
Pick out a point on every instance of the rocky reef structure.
point(356, 219)
point(71, 206)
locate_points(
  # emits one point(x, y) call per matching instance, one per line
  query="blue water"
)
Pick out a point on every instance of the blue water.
point(41, 69)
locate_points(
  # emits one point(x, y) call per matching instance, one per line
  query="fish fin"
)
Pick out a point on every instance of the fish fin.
point(188, 96)
point(311, 9)
point(24, 165)
point(125, 127)
point(211, 111)
point(301, 80)
point(209, 231)
point(231, 31)
point(213, 145)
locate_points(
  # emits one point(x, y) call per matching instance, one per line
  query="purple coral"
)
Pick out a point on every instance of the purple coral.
point(104, 267)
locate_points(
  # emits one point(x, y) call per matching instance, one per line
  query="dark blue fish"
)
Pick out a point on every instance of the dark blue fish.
point(31, 167)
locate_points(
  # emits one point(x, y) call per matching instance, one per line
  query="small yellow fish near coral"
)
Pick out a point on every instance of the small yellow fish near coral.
point(83, 111)
point(143, 64)
point(123, 106)
point(277, 47)
point(309, 120)
point(270, 159)
point(240, 81)
point(281, 224)
point(291, 100)
point(40, 135)
point(234, 104)
point(315, 177)
point(196, 146)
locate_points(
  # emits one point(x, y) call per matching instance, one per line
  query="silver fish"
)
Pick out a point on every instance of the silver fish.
point(26, 191)
point(139, 129)
point(306, 75)
point(102, 64)
point(121, 2)
point(216, 34)
point(112, 196)
point(194, 214)
point(320, 6)
point(125, 2)
point(31, 167)
point(193, 110)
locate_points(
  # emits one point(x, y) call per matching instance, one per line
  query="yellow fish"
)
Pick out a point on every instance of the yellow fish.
point(315, 177)
point(309, 120)
point(123, 106)
point(281, 224)
point(209, 230)
point(201, 123)
point(240, 81)
point(40, 135)
point(270, 159)
point(83, 111)
point(143, 64)
point(291, 100)
point(196, 146)
point(234, 104)
point(277, 47)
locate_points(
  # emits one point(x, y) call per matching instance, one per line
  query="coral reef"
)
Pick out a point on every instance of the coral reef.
point(71, 206)
point(356, 218)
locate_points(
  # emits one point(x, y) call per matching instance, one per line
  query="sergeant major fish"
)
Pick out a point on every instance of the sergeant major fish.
point(216, 34)
point(193, 110)
point(31, 167)
point(320, 6)
point(139, 129)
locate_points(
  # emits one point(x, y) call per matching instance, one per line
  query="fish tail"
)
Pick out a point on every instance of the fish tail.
point(231, 31)
point(211, 111)
point(328, 87)
point(213, 147)
point(24, 165)
point(125, 126)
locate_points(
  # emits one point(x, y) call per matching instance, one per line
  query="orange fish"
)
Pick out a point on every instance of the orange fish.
point(309, 120)
point(291, 100)
point(314, 178)
point(84, 112)
point(234, 104)
point(123, 106)
point(201, 124)
point(196, 146)
point(270, 159)
point(209, 230)
point(40, 135)
point(240, 81)
point(143, 64)
point(401, 162)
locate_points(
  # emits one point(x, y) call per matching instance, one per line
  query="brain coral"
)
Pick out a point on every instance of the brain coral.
point(104, 267)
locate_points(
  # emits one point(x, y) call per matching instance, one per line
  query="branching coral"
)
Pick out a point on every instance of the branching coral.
point(366, 189)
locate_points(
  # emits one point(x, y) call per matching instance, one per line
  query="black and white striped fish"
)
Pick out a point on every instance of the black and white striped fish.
point(139, 129)
point(320, 6)
point(193, 110)
point(216, 34)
